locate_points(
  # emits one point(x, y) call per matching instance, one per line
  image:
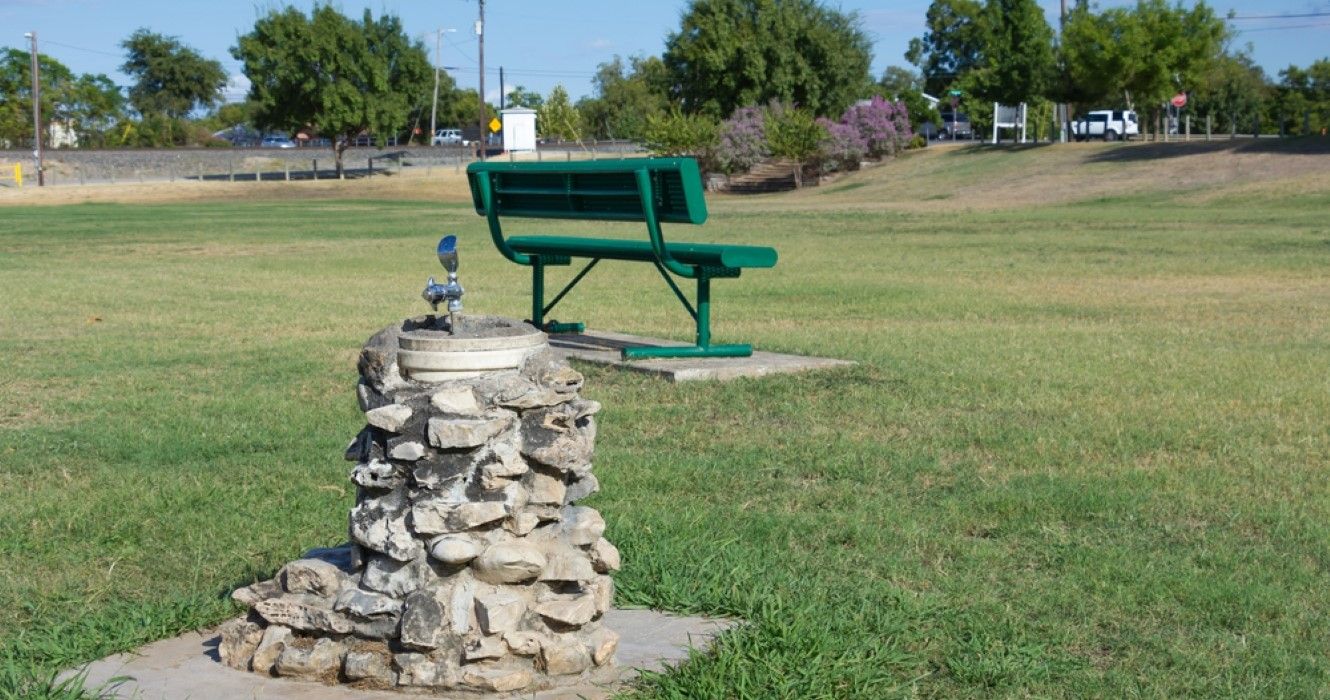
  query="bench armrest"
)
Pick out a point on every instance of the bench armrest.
point(647, 193)
point(492, 216)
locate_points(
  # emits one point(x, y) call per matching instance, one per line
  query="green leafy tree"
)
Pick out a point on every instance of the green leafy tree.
point(1302, 98)
point(730, 53)
point(334, 75)
point(793, 133)
point(626, 96)
point(84, 104)
point(952, 45)
point(1017, 57)
point(522, 97)
point(557, 118)
point(903, 85)
point(1140, 55)
point(170, 78)
point(1232, 92)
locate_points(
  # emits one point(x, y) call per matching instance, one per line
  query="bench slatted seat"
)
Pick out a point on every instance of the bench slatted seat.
point(647, 190)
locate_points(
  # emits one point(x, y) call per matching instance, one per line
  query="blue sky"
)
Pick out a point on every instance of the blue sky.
point(540, 43)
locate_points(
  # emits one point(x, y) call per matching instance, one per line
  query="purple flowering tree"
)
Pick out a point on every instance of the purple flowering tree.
point(842, 148)
point(743, 140)
point(884, 126)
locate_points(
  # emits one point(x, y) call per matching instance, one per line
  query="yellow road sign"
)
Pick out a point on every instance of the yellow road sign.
point(495, 125)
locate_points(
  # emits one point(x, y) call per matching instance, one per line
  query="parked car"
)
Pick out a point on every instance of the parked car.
point(448, 137)
point(954, 125)
point(277, 141)
point(1106, 124)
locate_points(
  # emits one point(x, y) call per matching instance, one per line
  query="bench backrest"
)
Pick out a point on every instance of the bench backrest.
point(597, 189)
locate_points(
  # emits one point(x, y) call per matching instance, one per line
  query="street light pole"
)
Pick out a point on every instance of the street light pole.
point(37, 111)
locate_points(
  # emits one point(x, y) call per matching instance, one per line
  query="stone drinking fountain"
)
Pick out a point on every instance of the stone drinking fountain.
point(471, 565)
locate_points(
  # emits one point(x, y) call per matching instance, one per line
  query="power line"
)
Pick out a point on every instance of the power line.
point(1301, 16)
point(1287, 26)
point(80, 48)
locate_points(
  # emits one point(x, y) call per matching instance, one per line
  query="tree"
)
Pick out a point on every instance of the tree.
point(557, 117)
point(170, 78)
point(1140, 55)
point(1303, 93)
point(903, 85)
point(953, 44)
point(1233, 90)
point(626, 96)
point(334, 75)
point(86, 104)
point(522, 97)
point(1017, 56)
point(731, 53)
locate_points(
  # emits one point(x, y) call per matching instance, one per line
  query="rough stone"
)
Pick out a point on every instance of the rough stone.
point(561, 436)
point(563, 655)
point(444, 470)
point(379, 523)
point(440, 516)
point(565, 563)
point(455, 549)
point(255, 592)
point(395, 578)
point(368, 398)
point(523, 643)
point(496, 680)
point(580, 488)
point(240, 638)
point(571, 612)
point(420, 670)
point(521, 524)
point(454, 433)
point(511, 562)
point(581, 525)
point(274, 641)
point(503, 461)
point(602, 592)
point(546, 489)
point(296, 612)
point(423, 624)
point(461, 600)
point(603, 643)
point(322, 660)
point(368, 666)
point(378, 361)
point(313, 576)
point(365, 447)
point(604, 556)
point(378, 475)
point(367, 603)
point(457, 399)
point(483, 648)
point(391, 417)
point(407, 451)
point(499, 610)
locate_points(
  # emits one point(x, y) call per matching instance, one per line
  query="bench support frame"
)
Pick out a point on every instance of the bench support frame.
point(664, 263)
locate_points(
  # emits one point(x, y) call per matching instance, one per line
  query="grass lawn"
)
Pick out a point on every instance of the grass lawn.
point(1084, 451)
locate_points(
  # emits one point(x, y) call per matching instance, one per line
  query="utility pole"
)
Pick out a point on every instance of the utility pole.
point(434, 106)
point(502, 89)
point(480, 37)
point(1064, 115)
point(37, 111)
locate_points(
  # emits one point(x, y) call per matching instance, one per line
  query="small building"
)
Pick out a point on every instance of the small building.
point(519, 129)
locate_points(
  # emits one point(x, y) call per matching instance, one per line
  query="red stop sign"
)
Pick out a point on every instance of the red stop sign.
point(1179, 100)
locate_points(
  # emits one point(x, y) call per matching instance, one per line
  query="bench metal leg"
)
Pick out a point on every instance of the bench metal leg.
point(704, 348)
point(538, 308)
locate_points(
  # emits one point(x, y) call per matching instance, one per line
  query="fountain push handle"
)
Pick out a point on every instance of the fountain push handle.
point(452, 290)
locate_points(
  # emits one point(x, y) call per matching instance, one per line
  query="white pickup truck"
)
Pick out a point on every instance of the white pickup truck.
point(1106, 124)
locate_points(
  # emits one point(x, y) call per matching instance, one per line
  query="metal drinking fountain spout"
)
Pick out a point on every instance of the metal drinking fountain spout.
point(452, 291)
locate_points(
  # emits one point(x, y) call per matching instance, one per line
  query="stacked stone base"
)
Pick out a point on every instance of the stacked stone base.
point(471, 565)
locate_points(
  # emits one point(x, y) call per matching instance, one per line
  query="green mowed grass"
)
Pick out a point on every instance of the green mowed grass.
point(1083, 453)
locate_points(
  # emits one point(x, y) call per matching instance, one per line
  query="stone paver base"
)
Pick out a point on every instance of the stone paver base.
point(187, 666)
point(602, 348)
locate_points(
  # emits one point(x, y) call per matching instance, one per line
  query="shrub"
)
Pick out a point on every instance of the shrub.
point(842, 147)
point(884, 126)
point(678, 134)
point(742, 141)
point(792, 132)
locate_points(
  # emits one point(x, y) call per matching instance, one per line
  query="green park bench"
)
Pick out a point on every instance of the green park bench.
point(649, 190)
